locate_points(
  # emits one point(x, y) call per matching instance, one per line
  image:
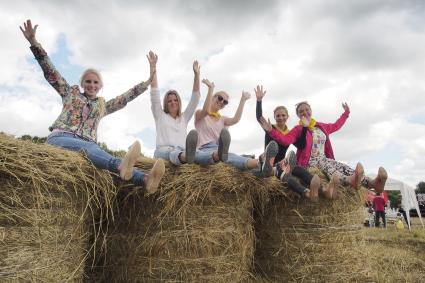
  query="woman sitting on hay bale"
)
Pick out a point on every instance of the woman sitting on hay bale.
point(318, 150)
point(212, 130)
point(286, 169)
point(171, 124)
point(76, 127)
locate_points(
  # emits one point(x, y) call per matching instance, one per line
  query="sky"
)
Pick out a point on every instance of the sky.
point(368, 53)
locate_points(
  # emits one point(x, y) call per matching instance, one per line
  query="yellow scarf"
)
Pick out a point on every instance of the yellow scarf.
point(284, 131)
point(311, 125)
point(214, 115)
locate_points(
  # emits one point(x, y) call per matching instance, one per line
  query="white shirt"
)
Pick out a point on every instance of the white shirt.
point(170, 131)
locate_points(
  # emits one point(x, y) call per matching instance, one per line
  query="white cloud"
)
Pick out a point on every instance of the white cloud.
point(367, 53)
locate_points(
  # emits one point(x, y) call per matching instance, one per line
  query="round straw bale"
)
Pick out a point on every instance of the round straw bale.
point(49, 201)
point(302, 241)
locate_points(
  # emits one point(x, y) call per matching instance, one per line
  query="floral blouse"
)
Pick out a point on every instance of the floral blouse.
point(80, 114)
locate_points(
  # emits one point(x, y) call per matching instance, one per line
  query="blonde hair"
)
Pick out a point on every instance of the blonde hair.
point(280, 108)
point(165, 104)
point(91, 71)
point(299, 104)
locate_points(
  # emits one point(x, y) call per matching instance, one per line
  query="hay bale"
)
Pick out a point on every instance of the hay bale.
point(303, 241)
point(49, 201)
point(199, 227)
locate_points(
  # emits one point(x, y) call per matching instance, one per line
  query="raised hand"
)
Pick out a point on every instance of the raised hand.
point(266, 125)
point(259, 92)
point(345, 106)
point(196, 67)
point(208, 83)
point(152, 58)
point(29, 32)
point(245, 95)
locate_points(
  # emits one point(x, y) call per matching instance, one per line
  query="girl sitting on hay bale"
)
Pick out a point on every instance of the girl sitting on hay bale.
point(171, 124)
point(76, 127)
point(318, 150)
point(286, 169)
point(213, 133)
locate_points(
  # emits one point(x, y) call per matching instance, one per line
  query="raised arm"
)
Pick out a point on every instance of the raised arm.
point(231, 121)
point(259, 93)
point(200, 114)
point(153, 59)
point(333, 127)
point(155, 98)
point(194, 99)
point(121, 101)
point(52, 76)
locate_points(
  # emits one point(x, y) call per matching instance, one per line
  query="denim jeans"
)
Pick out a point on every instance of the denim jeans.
point(204, 157)
point(170, 153)
point(100, 158)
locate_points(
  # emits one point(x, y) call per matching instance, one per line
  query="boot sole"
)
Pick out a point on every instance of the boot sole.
point(129, 160)
point(155, 176)
point(271, 152)
point(383, 176)
point(191, 142)
point(223, 145)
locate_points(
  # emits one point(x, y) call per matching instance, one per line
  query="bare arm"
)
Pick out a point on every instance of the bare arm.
point(196, 71)
point(200, 114)
point(153, 59)
point(235, 119)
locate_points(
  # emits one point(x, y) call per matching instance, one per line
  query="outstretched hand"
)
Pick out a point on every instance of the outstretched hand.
point(266, 125)
point(259, 92)
point(29, 32)
point(245, 95)
point(208, 83)
point(345, 106)
point(196, 67)
point(152, 58)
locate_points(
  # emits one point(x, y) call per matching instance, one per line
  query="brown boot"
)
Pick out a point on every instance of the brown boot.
point(155, 176)
point(334, 182)
point(127, 163)
point(356, 179)
point(379, 182)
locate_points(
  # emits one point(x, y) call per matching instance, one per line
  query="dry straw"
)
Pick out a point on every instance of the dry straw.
point(301, 241)
point(50, 201)
point(197, 228)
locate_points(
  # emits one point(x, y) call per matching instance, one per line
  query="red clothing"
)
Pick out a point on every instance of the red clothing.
point(379, 203)
point(303, 155)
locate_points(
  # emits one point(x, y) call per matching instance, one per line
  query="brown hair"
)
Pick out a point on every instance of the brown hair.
point(280, 108)
point(167, 94)
point(299, 104)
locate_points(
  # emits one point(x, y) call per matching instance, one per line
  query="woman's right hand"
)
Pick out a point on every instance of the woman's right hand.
point(266, 125)
point(208, 83)
point(29, 32)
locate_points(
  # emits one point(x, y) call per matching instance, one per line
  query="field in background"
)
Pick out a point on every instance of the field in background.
point(396, 255)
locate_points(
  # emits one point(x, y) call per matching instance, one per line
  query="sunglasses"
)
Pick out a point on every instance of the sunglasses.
point(221, 99)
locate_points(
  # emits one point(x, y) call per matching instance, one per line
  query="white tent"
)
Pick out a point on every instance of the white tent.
point(408, 197)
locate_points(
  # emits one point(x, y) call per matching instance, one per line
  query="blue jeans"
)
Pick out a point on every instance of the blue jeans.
point(170, 153)
point(204, 157)
point(100, 158)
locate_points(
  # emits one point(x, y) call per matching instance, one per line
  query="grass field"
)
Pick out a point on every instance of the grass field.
point(396, 255)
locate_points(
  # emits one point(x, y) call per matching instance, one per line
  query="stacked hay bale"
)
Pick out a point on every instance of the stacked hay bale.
point(299, 240)
point(50, 200)
point(199, 227)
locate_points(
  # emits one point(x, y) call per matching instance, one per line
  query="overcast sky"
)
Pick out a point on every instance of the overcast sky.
point(367, 53)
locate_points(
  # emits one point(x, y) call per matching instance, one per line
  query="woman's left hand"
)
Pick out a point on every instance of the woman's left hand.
point(345, 106)
point(245, 95)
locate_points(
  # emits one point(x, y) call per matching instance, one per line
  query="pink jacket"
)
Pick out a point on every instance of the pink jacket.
point(303, 155)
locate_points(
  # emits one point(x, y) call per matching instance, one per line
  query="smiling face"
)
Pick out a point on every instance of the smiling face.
point(172, 104)
point(91, 84)
point(304, 110)
point(219, 101)
point(281, 116)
